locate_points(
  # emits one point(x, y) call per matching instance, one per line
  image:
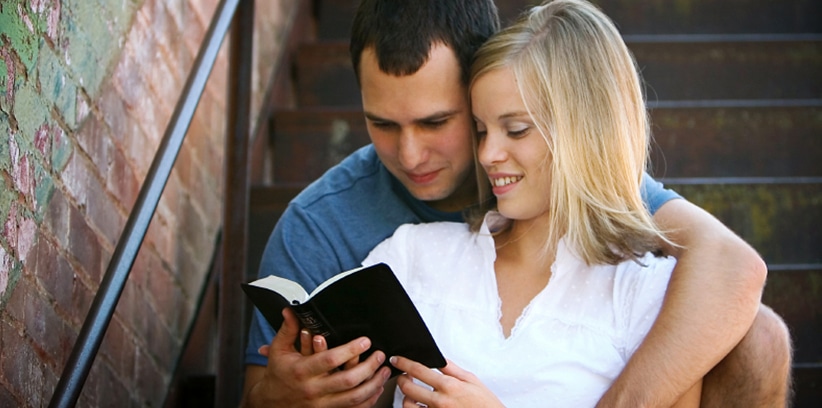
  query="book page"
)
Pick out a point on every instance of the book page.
point(289, 289)
point(333, 279)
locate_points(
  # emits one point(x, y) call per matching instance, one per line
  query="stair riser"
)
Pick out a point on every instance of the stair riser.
point(645, 17)
point(688, 142)
point(781, 221)
point(796, 295)
point(737, 142)
point(671, 70)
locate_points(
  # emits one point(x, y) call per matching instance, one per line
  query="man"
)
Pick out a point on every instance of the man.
point(412, 63)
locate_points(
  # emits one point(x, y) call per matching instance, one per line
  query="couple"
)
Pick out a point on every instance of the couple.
point(561, 264)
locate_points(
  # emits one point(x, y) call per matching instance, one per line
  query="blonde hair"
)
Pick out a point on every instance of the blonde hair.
point(581, 87)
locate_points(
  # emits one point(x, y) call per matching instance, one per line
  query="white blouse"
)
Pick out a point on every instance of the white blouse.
point(570, 342)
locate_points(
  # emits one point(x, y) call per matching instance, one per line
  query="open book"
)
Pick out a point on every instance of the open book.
point(366, 301)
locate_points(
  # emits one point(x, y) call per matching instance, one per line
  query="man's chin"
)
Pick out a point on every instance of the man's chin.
point(428, 194)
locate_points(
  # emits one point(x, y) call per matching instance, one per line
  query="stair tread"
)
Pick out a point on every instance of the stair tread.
point(784, 67)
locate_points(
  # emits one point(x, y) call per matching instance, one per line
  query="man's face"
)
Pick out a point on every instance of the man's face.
point(421, 127)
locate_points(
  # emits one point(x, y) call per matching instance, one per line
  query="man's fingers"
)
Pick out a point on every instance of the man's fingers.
point(367, 371)
point(319, 344)
point(306, 347)
point(334, 358)
point(287, 334)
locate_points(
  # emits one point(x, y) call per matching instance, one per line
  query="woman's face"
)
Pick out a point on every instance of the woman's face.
point(511, 149)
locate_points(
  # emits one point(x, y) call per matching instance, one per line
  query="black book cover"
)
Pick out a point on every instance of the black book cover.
point(367, 301)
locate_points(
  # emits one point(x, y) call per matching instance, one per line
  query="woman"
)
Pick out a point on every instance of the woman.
point(545, 297)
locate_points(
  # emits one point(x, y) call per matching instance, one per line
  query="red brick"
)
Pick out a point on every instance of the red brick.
point(7, 399)
point(119, 349)
point(114, 114)
point(110, 390)
point(195, 233)
point(15, 306)
point(151, 381)
point(121, 180)
point(161, 344)
point(75, 178)
point(161, 237)
point(103, 213)
point(84, 246)
point(165, 294)
point(47, 331)
point(22, 370)
point(20, 231)
point(131, 308)
point(191, 273)
point(94, 140)
point(53, 273)
point(56, 217)
point(192, 34)
point(81, 298)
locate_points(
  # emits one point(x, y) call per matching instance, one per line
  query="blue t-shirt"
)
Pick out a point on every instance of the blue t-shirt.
point(336, 221)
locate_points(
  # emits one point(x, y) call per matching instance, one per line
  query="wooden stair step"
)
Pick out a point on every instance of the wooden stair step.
point(780, 218)
point(308, 142)
point(673, 67)
point(689, 141)
point(807, 385)
point(795, 292)
point(769, 139)
point(638, 17)
point(266, 204)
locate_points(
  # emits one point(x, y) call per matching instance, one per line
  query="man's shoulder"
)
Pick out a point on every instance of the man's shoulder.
point(358, 173)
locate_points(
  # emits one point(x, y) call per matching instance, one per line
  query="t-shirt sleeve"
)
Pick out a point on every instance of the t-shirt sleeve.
point(641, 292)
point(288, 254)
point(654, 193)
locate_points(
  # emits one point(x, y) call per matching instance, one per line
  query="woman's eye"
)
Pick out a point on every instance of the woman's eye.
point(518, 132)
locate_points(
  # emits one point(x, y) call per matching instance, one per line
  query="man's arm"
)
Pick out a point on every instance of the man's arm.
point(712, 299)
point(289, 377)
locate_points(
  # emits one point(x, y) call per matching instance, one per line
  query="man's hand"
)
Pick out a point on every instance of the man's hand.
point(455, 387)
point(302, 378)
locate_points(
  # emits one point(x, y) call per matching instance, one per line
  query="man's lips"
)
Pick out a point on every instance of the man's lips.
point(422, 178)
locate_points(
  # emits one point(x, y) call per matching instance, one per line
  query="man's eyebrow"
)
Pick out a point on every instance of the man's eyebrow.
point(430, 118)
point(437, 116)
point(375, 118)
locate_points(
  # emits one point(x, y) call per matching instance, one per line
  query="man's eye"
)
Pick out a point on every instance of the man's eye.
point(382, 125)
point(435, 124)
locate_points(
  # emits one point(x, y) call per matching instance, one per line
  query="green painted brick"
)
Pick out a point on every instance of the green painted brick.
point(5, 131)
point(22, 40)
point(43, 190)
point(61, 150)
point(57, 87)
point(30, 111)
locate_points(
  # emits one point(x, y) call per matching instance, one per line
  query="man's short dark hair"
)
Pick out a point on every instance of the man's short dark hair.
point(403, 31)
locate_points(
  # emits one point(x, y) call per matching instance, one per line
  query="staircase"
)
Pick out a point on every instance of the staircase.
point(735, 91)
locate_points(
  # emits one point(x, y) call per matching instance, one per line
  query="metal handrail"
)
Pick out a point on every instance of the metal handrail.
point(102, 308)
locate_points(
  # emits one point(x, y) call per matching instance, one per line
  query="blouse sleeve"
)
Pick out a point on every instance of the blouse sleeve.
point(643, 290)
point(394, 251)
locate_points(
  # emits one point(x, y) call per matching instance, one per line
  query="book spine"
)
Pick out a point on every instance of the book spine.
point(313, 320)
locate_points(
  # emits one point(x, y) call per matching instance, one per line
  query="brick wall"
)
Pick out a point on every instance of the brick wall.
point(86, 91)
